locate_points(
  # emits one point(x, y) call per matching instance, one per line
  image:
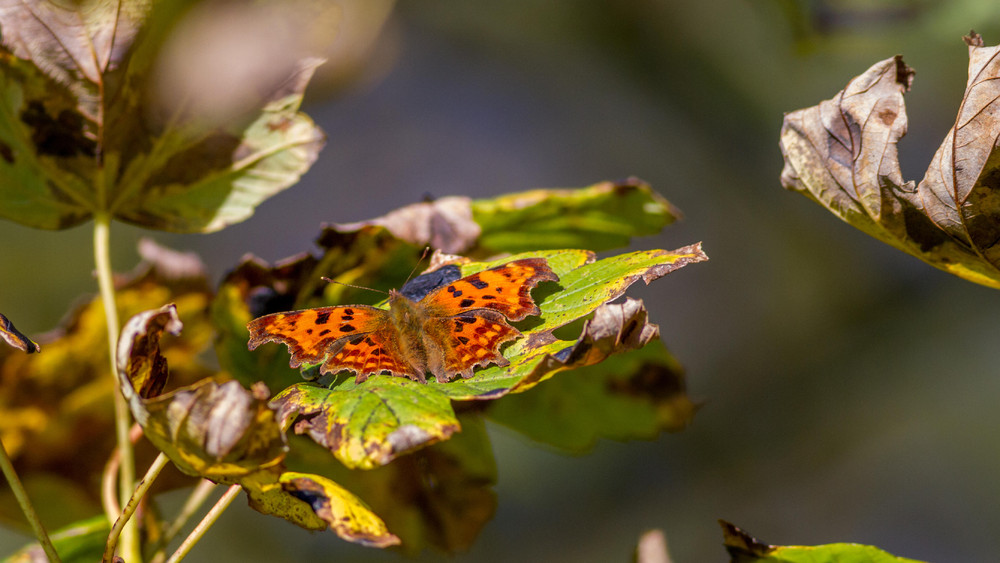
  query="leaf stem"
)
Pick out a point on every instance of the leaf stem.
point(133, 502)
point(193, 503)
point(29, 511)
point(206, 523)
point(123, 420)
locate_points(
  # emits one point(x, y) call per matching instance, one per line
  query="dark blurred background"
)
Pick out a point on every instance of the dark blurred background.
point(850, 390)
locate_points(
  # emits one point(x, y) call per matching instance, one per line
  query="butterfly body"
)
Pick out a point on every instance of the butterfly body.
point(452, 330)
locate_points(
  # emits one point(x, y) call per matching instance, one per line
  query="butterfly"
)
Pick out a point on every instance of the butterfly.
point(453, 329)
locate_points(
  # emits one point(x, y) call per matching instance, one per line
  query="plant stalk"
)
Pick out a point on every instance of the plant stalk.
point(123, 420)
point(133, 502)
point(194, 502)
point(205, 524)
point(29, 511)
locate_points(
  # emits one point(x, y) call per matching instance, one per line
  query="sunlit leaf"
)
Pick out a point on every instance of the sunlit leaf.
point(744, 548)
point(315, 502)
point(369, 423)
point(842, 153)
point(599, 217)
point(603, 216)
point(80, 133)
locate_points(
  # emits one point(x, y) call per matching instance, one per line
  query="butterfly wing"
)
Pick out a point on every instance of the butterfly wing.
point(466, 341)
point(505, 289)
point(467, 319)
point(358, 338)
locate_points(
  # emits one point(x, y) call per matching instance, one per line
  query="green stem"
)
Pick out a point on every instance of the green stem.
point(123, 420)
point(193, 503)
point(205, 524)
point(29, 511)
point(133, 502)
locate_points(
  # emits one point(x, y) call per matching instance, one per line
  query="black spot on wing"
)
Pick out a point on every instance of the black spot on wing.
point(467, 303)
point(347, 328)
point(477, 283)
point(321, 318)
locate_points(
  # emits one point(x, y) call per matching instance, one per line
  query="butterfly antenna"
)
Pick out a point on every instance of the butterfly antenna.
point(417, 265)
point(326, 279)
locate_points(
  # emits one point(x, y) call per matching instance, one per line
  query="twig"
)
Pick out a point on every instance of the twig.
point(29, 511)
point(133, 502)
point(205, 524)
point(193, 503)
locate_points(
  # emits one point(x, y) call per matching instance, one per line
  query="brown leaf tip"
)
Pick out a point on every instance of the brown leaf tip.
point(15, 338)
point(973, 39)
point(738, 542)
point(904, 74)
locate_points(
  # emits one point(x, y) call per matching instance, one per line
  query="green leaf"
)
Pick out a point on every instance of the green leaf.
point(744, 548)
point(368, 424)
point(603, 216)
point(600, 217)
point(80, 542)
point(80, 133)
point(842, 153)
point(628, 396)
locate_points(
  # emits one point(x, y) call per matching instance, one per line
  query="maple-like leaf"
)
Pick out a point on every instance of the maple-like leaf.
point(81, 133)
point(370, 423)
point(842, 153)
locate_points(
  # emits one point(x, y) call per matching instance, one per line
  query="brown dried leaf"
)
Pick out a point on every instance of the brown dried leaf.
point(444, 224)
point(842, 153)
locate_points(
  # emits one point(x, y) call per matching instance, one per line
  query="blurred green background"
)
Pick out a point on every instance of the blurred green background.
point(850, 390)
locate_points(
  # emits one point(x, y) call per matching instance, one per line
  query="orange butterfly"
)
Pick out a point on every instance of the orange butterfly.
point(453, 329)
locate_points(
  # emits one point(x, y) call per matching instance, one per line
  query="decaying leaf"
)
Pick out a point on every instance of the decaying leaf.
point(79, 135)
point(315, 502)
point(744, 548)
point(842, 153)
point(445, 224)
point(439, 496)
point(10, 334)
point(225, 433)
point(56, 408)
point(369, 423)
